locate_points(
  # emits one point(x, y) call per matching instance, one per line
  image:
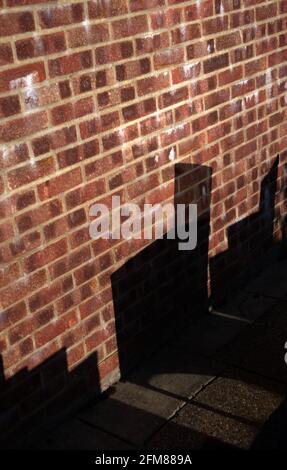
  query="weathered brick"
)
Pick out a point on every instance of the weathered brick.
point(107, 8)
point(78, 153)
point(40, 45)
point(83, 36)
point(70, 63)
point(9, 105)
point(127, 27)
point(16, 23)
point(113, 53)
point(55, 16)
point(168, 57)
point(45, 256)
point(215, 63)
point(35, 217)
point(22, 76)
point(6, 54)
point(31, 172)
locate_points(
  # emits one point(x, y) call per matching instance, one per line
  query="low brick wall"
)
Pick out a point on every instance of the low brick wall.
point(111, 97)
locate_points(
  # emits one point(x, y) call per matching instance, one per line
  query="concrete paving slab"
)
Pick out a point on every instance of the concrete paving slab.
point(75, 435)
point(246, 397)
point(230, 412)
point(247, 306)
point(196, 428)
point(260, 348)
point(176, 373)
point(271, 282)
point(210, 334)
point(132, 413)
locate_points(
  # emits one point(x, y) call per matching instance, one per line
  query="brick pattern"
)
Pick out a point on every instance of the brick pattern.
point(95, 98)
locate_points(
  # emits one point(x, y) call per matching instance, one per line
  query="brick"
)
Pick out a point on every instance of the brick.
point(127, 27)
point(41, 97)
point(107, 8)
point(173, 97)
point(9, 106)
point(23, 127)
point(153, 83)
point(86, 193)
point(166, 18)
point(142, 186)
point(138, 5)
point(215, 99)
point(266, 12)
point(84, 106)
point(56, 16)
point(16, 202)
point(25, 75)
point(185, 33)
point(39, 215)
point(16, 23)
point(215, 25)
point(229, 76)
point(133, 69)
point(152, 42)
point(6, 232)
point(17, 3)
point(62, 113)
point(242, 18)
point(195, 12)
point(54, 140)
point(21, 288)
point(51, 292)
point(6, 54)
point(170, 136)
point(40, 45)
point(120, 136)
point(255, 66)
point(60, 184)
point(168, 57)
point(92, 34)
point(12, 315)
point(45, 256)
point(185, 72)
point(199, 49)
point(135, 111)
point(228, 40)
point(96, 125)
point(104, 165)
point(113, 53)
point(70, 63)
point(78, 153)
point(31, 172)
point(50, 332)
point(215, 63)
point(70, 262)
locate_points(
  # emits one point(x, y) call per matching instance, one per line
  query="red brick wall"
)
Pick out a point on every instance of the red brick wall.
point(94, 95)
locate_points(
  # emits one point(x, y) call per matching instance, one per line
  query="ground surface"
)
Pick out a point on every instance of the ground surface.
point(221, 385)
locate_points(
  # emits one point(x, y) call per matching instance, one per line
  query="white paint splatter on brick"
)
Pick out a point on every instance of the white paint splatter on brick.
point(171, 155)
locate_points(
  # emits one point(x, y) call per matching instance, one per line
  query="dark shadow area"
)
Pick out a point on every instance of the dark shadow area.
point(156, 294)
point(159, 290)
point(248, 242)
point(33, 401)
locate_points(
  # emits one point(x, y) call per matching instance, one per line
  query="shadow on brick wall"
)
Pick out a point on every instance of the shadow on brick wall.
point(44, 396)
point(156, 294)
point(249, 240)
